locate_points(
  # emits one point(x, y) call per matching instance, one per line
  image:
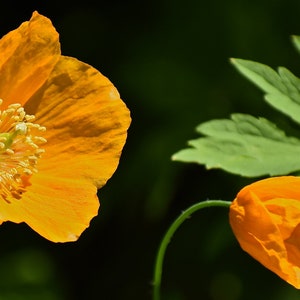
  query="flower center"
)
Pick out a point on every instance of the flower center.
point(20, 142)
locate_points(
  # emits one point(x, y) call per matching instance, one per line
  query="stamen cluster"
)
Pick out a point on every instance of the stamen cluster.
point(20, 142)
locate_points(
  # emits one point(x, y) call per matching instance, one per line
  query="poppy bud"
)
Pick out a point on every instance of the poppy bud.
point(265, 218)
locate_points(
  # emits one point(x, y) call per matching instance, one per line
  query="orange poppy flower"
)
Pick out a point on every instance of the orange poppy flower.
point(265, 218)
point(62, 130)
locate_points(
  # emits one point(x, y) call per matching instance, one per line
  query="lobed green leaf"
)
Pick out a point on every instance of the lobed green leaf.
point(282, 88)
point(243, 145)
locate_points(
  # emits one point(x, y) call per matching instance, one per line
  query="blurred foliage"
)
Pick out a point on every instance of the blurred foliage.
point(28, 273)
point(169, 60)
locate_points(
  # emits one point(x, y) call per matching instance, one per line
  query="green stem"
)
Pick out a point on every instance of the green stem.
point(167, 238)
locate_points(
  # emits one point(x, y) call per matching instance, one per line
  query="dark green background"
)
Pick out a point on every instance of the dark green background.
point(169, 60)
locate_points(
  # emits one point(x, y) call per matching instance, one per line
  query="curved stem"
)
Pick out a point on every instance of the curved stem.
point(167, 238)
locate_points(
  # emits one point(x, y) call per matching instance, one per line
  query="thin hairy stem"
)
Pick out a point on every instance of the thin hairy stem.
point(167, 238)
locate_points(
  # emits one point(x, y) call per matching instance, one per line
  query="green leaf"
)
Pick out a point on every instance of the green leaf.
point(296, 42)
point(243, 145)
point(282, 88)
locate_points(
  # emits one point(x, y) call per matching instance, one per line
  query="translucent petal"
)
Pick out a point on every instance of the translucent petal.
point(86, 122)
point(28, 55)
point(59, 209)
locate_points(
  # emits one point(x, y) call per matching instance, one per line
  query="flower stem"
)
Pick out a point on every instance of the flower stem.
point(167, 238)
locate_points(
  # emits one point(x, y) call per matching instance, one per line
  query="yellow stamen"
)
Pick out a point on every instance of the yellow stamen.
point(20, 150)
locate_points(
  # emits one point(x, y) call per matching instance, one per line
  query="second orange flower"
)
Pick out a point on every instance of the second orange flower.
point(265, 218)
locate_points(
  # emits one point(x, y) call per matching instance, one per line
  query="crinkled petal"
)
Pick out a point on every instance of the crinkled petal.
point(259, 229)
point(59, 209)
point(86, 122)
point(284, 187)
point(28, 55)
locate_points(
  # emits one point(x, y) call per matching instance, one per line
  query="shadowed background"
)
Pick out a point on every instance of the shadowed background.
point(169, 60)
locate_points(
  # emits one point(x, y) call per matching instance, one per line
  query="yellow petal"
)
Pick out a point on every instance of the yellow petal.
point(59, 209)
point(28, 55)
point(86, 122)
